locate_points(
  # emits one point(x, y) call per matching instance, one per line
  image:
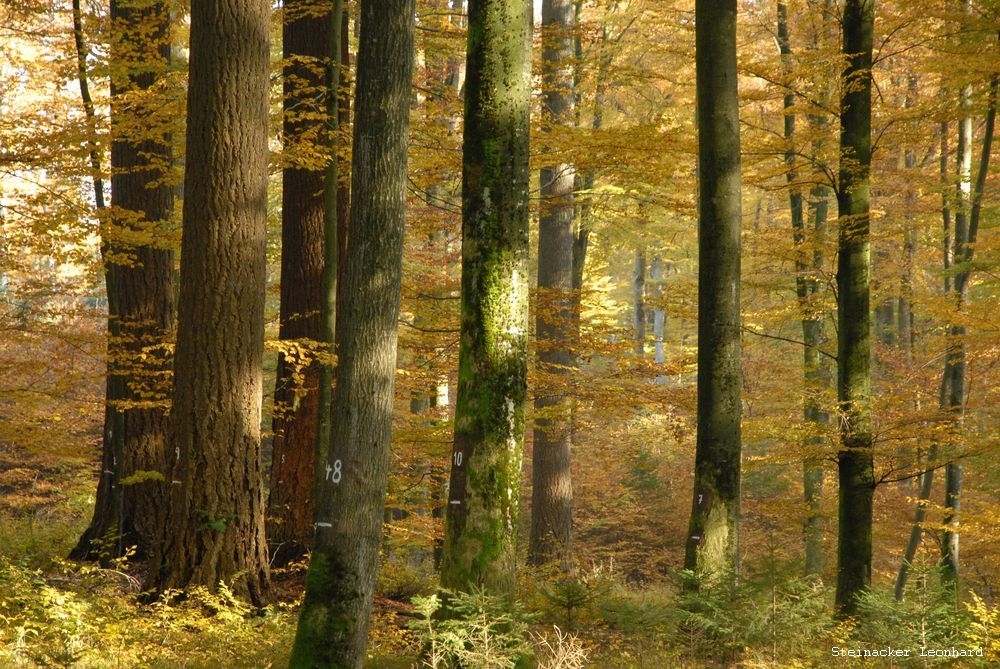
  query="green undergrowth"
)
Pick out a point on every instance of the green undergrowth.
point(86, 616)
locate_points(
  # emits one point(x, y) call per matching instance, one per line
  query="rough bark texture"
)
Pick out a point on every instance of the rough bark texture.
point(340, 585)
point(551, 480)
point(213, 528)
point(306, 43)
point(140, 287)
point(712, 548)
point(855, 457)
point(484, 489)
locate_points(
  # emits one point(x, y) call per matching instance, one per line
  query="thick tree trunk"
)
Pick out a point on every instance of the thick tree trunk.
point(140, 286)
point(340, 585)
point(306, 43)
point(213, 529)
point(484, 490)
point(712, 545)
point(552, 485)
point(855, 458)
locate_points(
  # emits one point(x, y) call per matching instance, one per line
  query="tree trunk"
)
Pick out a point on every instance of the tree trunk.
point(140, 286)
point(340, 585)
point(659, 317)
point(484, 490)
point(639, 301)
point(712, 545)
point(552, 486)
point(807, 267)
point(213, 528)
point(306, 43)
point(967, 217)
point(855, 458)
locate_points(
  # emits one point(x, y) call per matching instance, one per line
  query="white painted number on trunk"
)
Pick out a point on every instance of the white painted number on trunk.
point(335, 473)
point(458, 459)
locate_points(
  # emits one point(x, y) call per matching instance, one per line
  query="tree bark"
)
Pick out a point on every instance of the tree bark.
point(552, 484)
point(213, 529)
point(712, 545)
point(307, 51)
point(855, 458)
point(484, 490)
point(639, 301)
point(340, 585)
point(140, 287)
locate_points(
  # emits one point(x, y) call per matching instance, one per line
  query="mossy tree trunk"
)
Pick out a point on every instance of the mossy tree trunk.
point(340, 584)
point(551, 480)
point(855, 459)
point(306, 51)
point(213, 524)
point(140, 286)
point(484, 489)
point(712, 548)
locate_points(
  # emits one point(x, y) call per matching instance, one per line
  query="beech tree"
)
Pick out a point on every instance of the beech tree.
point(855, 459)
point(213, 521)
point(484, 488)
point(713, 530)
point(552, 486)
point(340, 584)
point(140, 285)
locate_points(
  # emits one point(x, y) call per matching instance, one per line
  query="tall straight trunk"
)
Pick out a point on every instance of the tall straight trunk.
point(969, 198)
point(552, 486)
point(305, 44)
point(807, 267)
point(140, 286)
point(340, 584)
point(712, 545)
point(855, 459)
point(336, 211)
point(480, 547)
point(213, 525)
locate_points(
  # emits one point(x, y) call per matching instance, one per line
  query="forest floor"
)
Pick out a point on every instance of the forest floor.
point(57, 613)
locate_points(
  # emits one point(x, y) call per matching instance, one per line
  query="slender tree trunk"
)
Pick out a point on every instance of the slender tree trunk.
point(305, 43)
point(340, 585)
point(140, 286)
point(926, 478)
point(482, 520)
point(639, 301)
point(336, 210)
point(856, 456)
point(213, 529)
point(967, 218)
point(659, 316)
point(712, 545)
point(807, 267)
point(552, 486)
